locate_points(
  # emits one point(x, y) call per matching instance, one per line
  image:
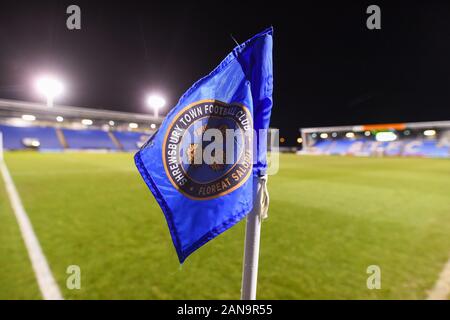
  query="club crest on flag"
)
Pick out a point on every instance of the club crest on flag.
point(203, 163)
point(207, 149)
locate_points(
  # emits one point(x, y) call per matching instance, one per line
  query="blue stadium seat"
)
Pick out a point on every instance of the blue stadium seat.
point(129, 140)
point(321, 146)
point(340, 146)
point(13, 136)
point(88, 139)
point(368, 147)
point(393, 148)
point(426, 148)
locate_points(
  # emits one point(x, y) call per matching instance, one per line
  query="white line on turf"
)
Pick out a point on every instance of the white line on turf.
point(441, 290)
point(47, 284)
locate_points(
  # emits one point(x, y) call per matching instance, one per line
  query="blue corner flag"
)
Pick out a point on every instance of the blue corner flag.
point(201, 163)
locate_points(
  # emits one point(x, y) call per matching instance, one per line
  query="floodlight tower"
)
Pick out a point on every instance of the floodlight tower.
point(50, 87)
point(156, 102)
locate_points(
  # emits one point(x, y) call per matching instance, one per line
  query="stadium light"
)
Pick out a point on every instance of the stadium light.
point(324, 135)
point(429, 133)
point(282, 140)
point(28, 117)
point(111, 123)
point(406, 132)
point(367, 133)
point(59, 119)
point(133, 125)
point(314, 135)
point(153, 126)
point(299, 140)
point(156, 102)
point(334, 134)
point(350, 135)
point(87, 122)
point(50, 87)
point(31, 142)
point(385, 136)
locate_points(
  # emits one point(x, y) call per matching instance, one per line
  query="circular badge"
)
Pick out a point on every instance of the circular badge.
point(207, 149)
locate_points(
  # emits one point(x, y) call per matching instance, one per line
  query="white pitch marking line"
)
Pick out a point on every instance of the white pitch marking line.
point(441, 290)
point(47, 284)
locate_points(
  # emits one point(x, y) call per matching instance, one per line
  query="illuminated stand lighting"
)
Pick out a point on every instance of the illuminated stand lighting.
point(87, 122)
point(156, 102)
point(324, 135)
point(28, 117)
point(49, 87)
point(429, 133)
point(350, 135)
point(385, 136)
point(133, 125)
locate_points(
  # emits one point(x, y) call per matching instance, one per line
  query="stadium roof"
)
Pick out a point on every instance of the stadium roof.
point(382, 126)
point(15, 108)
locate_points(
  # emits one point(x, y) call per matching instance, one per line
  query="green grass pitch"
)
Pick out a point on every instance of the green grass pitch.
point(329, 219)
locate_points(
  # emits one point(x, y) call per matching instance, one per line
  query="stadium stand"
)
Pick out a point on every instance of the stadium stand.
point(411, 147)
point(88, 139)
point(341, 147)
point(322, 146)
point(130, 140)
point(424, 148)
point(426, 139)
point(14, 137)
point(36, 126)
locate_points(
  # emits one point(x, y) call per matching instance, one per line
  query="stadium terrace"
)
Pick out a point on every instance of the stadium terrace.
point(26, 125)
point(420, 139)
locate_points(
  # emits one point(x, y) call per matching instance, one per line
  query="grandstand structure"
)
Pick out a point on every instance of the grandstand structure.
point(419, 139)
point(27, 125)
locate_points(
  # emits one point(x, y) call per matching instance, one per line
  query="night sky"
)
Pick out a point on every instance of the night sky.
point(329, 69)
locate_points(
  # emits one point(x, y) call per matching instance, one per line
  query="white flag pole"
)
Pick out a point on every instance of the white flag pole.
point(252, 239)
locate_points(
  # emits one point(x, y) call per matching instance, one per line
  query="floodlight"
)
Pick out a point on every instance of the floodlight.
point(49, 87)
point(156, 102)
